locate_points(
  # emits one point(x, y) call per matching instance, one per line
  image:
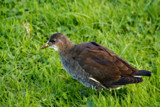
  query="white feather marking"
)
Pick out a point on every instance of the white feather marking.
point(94, 79)
point(54, 47)
point(97, 82)
point(137, 76)
point(118, 88)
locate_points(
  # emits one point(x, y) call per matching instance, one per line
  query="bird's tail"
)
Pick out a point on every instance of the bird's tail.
point(143, 73)
point(128, 80)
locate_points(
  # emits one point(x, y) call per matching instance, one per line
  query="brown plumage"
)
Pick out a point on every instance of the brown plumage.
point(94, 65)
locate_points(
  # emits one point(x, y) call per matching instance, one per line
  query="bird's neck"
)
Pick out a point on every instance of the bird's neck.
point(67, 48)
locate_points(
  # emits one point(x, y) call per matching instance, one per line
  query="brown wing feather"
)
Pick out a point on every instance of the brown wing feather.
point(101, 63)
point(125, 68)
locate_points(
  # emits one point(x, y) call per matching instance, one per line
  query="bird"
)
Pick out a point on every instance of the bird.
point(94, 65)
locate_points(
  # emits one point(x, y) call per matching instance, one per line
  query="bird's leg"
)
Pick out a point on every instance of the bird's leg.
point(97, 92)
point(74, 79)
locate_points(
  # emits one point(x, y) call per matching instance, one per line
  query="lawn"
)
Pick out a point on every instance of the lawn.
point(31, 77)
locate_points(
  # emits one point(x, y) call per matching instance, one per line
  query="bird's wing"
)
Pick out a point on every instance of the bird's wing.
point(102, 64)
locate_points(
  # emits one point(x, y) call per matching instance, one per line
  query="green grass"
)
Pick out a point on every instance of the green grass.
point(33, 77)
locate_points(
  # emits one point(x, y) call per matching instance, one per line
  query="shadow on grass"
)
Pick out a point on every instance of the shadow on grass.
point(76, 93)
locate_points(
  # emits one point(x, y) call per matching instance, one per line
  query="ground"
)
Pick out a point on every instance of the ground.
point(33, 77)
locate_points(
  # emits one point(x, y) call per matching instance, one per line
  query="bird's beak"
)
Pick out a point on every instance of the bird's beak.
point(45, 46)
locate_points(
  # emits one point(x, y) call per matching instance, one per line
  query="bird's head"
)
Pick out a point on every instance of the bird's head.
point(59, 42)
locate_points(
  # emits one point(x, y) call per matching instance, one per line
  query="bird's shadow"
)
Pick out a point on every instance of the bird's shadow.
point(116, 92)
point(86, 92)
point(75, 90)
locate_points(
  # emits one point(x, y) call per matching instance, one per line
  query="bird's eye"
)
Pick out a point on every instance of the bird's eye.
point(53, 41)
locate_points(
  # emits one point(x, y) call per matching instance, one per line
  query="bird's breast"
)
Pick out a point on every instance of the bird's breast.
point(74, 69)
point(78, 73)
